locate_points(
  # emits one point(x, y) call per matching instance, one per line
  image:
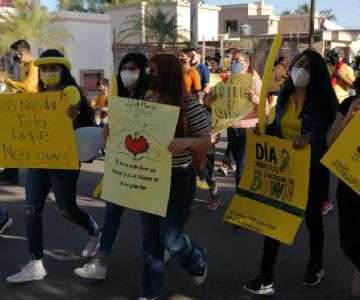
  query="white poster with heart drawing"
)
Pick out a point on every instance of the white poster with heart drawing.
point(138, 164)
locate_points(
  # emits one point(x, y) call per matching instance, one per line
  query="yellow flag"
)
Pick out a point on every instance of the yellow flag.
point(275, 47)
point(36, 132)
point(138, 164)
point(343, 157)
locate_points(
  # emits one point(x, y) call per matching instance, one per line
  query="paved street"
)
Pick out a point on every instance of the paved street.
point(233, 254)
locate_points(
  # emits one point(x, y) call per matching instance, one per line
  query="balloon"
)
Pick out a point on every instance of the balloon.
point(98, 189)
point(89, 141)
point(114, 87)
point(275, 47)
point(72, 94)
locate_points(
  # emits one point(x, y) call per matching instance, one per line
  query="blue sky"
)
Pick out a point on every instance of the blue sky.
point(346, 11)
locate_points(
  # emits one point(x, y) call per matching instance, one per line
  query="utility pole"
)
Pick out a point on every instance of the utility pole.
point(194, 15)
point(312, 22)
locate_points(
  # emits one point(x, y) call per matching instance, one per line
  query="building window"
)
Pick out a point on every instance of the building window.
point(89, 78)
point(232, 25)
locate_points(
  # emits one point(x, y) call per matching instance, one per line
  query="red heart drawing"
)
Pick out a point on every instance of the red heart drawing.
point(137, 145)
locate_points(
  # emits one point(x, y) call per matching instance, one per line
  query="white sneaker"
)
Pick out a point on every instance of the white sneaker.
point(92, 270)
point(167, 256)
point(34, 270)
point(92, 247)
point(201, 278)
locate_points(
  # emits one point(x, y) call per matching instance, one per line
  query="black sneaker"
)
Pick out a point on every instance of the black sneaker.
point(261, 286)
point(5, 224)
point(313, 275)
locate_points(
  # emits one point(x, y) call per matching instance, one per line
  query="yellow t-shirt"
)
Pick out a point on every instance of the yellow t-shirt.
point(342, 90)
point(290, 124)
point(29, 79)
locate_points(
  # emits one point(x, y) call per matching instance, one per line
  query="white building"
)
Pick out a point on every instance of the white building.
point(89, 48)
point(248, 19)
point(208, 18)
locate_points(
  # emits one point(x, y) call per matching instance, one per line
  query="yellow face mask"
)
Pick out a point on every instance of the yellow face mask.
point(50, 79)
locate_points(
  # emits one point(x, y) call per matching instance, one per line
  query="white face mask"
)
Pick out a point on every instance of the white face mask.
point(300, 77)
point(129, 79)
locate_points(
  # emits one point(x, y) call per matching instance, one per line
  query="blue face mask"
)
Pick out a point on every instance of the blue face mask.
point(236, 67)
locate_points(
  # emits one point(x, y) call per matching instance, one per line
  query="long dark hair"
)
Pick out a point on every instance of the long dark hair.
point(319, 91)
point(168, 86)
point(140, 61)
point(86, 115)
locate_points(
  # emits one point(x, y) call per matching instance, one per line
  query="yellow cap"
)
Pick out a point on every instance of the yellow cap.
point(53, 60)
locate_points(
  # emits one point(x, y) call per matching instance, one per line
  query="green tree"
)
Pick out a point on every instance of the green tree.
point(158, 27)
point(327, 14)
point(286, 12)
point(31, 24)
point(71, 5)
point(303, 9)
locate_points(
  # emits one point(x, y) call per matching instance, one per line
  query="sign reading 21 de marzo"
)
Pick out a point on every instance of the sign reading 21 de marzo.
point(138, 164)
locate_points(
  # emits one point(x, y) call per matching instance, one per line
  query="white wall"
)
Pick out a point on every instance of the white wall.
point(120, 15)
point(208, 18)
point(91, 42)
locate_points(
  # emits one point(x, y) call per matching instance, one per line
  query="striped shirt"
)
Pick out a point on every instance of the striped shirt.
point(197, 122)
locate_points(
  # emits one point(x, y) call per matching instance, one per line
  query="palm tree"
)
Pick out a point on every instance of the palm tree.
point(327, 14)
point(71, 5)
point(31, 24)
point(286, 12)
point(303, 9)
point(158, 27)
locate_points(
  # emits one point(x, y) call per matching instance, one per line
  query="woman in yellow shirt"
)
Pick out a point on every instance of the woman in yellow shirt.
point(305, 111)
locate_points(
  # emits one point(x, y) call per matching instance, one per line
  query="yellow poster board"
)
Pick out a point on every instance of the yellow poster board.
point(214, 79)
point(343, 157)
point(232, 102)
point(36, 132)
point(272, 195)
point(138, 164)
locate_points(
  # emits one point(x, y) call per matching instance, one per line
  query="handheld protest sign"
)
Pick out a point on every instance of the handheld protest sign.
point(272, 195)
point(231, 103)
point(343, 157)
point(36, 132)
point(275, 47)
point(138, 164)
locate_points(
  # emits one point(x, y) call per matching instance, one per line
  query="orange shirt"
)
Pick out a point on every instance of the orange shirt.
point(192, 81)
point(100, 101)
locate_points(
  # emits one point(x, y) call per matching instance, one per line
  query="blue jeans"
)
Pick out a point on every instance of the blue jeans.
point(2, 215)
point(167, 233)
point(63, 184)
point(236, 142)
point(113, 214)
